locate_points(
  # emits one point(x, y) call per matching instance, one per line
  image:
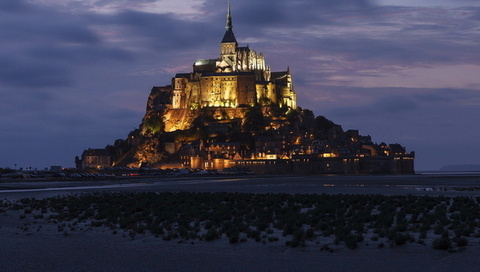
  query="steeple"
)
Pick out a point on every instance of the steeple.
point(229, 37)
point(229, 18)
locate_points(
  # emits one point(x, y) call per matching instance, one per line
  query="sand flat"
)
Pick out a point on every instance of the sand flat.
point(43, 248)
point(99, 250)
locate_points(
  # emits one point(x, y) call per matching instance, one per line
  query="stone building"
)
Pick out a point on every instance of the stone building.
point(237, 79)
point(94, 158)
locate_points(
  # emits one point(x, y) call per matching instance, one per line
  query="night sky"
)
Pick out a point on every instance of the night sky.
point(77, 74)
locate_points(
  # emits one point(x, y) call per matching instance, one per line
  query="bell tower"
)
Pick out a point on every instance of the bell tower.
point(228, 46)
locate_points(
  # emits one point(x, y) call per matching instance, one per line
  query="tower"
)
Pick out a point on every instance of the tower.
point(228, 46)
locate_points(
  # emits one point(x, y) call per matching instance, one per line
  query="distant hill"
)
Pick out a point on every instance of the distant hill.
point(461, 167)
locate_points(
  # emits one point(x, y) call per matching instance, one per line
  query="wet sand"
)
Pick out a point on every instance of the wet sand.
point(385, 185)
point(43, 248)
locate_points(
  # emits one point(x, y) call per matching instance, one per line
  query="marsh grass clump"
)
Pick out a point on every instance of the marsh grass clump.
point(400, 238)
point(352, 240)
point(461, 242)
point(211, 235)
point(442, 243)
point(302, 219)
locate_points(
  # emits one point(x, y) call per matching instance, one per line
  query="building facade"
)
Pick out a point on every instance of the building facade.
point(237, 79)
point(94, 159)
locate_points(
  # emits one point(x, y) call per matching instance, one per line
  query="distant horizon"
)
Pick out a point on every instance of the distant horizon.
point(76, 75)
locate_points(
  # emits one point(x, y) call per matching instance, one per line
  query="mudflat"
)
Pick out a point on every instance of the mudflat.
point(38, 245)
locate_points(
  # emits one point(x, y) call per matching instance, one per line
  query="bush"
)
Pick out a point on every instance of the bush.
point(461, 242)
point(210, 235)
point(439, 229)
point(272, 238)
point(234, 237)
point(299, 234)
point(294, 243)
point(442, 243)
point(351, 240)
point(310, 233)
point(400, 239)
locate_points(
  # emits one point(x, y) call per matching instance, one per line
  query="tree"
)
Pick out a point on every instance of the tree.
point(205, 116)
point(323, 124)
point(253, 120)
point(308, 120)
point(294, 119)
point(149, 151)
point(265, 101)
point(154, 124)
point(308, 113)
point(278, 111)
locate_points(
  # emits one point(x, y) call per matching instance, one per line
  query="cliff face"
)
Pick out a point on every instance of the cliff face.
point(160, 114)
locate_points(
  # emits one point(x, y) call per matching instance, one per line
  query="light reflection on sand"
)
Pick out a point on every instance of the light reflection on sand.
point(388, 185)
point(74, 188)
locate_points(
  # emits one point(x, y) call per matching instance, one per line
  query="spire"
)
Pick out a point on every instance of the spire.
point(229, 26)
point(229, 37)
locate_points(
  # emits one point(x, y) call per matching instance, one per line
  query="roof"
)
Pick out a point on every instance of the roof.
point(396, 148)
point(96, 152)
point(229, 37)
point(182, 75)
point(278, 75)
point(229, 74)
point(205, 62)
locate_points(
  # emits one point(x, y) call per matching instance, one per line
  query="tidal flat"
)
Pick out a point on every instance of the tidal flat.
point(309, 223)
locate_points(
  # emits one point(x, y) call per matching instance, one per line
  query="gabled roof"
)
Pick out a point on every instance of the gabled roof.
point(229, 37)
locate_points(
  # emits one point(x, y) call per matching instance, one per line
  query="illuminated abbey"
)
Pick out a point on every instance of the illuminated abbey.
point(237, 79)
point(233, 112)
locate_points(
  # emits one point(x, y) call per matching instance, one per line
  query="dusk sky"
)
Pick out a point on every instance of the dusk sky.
point(76, 74)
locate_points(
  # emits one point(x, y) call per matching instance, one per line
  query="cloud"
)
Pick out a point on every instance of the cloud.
point(13, 6)
point(269, 16)
point(360, 103)
point(41, 25)
point(40, 52)
point(385, 105)
point(79, 55)
point(24, 73)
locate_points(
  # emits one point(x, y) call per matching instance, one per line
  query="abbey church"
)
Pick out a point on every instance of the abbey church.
point(238, 78)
